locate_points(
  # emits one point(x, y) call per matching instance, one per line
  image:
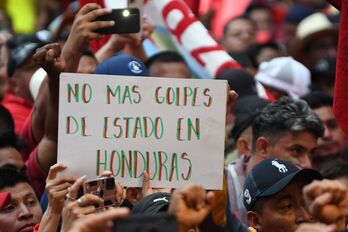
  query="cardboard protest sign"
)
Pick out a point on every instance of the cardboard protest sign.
point(172, 128)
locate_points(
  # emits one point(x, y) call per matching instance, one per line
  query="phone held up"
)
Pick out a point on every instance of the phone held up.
point(103, 187)
point(127, 20)
point(161, 222)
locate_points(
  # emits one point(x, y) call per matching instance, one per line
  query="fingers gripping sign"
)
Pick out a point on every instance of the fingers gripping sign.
point(57, 187)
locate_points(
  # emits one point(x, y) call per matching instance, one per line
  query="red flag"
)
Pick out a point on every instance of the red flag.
point(341, 83)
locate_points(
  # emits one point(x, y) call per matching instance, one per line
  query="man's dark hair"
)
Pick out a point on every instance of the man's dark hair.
point(89, 53)
point(258, 6)
point(255, 50)
point(9, 177)
point(6, 120)
point(335, 169)
point(243, 17)
point(21, 49)
point(284, 116)
point(10, 139)
point(318, 99)
point(165, 57)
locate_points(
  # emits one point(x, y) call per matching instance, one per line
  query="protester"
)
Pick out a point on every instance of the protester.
point(239, 34)
point(275, 202)
point(22, 212)
point(57, 189)
point(124, 65)
point(88, 62)
point(270, 148)
point(20, 66)
point(265, 52)
point(168, 64)
point(324, 75)
point(262, 16)
point(246, 110)
point(287, 129)
point(293, 17)
point(316, 39)
point(332, 143)
point(243, 83)
point(283, 76)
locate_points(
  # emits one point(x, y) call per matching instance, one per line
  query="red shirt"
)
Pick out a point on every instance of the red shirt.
point(29, 156)
point(27, 134)
point(35, 173)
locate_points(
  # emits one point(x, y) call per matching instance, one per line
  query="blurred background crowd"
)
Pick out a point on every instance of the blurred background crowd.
point(286, 53)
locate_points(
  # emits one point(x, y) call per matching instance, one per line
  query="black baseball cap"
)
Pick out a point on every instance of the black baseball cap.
point(152, 204)
point(22, 47)
point(240, 81)
point(270, 177)
point(246, 110)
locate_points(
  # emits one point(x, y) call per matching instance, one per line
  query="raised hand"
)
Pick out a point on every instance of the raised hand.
point(48, 57)
point(76, 208)
point(191, 205)
point(326, 200)
point(57, 187)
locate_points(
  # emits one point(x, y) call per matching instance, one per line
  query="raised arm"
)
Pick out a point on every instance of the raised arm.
point(82, 32)
point(49, 58)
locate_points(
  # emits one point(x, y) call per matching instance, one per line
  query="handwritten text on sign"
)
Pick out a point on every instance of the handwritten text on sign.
point(173, 129)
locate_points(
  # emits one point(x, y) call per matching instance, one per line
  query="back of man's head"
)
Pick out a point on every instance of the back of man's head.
point(6, 120)
point(284, 116)
point(9, 139)
point(10, 177)
point(165, 57)
point(168, 64)
point(122, 65)
point(318, 99)
point(336, 169)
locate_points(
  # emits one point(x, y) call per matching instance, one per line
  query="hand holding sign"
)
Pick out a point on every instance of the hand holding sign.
point(148, 190)
point(75, 209)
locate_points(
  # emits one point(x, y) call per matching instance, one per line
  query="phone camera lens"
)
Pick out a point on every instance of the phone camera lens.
point(126, 13)
point(110, 183)
point(100, 193)
point(93, 183)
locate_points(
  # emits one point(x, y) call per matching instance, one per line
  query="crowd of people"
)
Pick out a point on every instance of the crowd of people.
point(286, 157)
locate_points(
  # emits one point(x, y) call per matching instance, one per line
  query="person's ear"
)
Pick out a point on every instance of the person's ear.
point(254, 220)
point(262, 147)
point(133, 195)
point(242, 146)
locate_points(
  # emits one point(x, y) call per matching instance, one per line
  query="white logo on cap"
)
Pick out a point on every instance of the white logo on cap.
point(161, 199)
point(247, 196)
point(135, 67)
point(281, 167)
